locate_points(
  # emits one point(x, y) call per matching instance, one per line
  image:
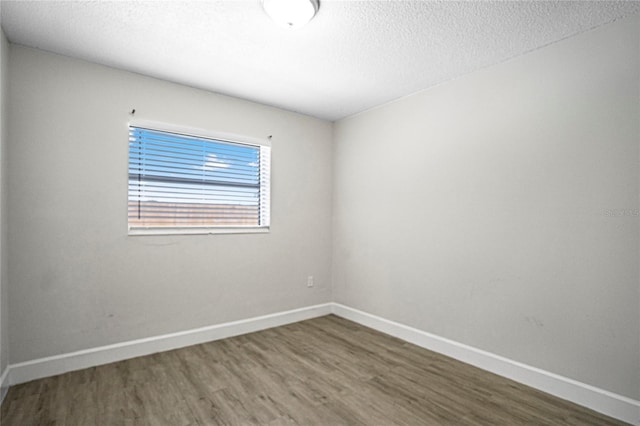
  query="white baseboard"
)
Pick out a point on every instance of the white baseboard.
point(4, 384)
point(602, 401)
point(609, 403)
point(51, 366)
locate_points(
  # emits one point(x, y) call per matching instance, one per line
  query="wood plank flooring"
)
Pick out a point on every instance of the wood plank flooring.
point(325, 371)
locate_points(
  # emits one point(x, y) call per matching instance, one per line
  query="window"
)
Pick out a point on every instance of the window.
point(182, 183)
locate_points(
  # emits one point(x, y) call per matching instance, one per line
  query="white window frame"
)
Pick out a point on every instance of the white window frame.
point(265, 196)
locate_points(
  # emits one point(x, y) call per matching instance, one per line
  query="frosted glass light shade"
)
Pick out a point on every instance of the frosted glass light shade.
point(291, 13)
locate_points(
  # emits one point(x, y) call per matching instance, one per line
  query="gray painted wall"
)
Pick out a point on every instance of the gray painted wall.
point(4, 299)
point(78, 280)
point(500, 210)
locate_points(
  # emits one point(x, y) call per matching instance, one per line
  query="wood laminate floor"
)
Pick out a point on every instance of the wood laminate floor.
point(325, 371)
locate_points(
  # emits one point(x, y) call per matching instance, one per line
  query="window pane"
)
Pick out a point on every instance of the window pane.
point(181, 181)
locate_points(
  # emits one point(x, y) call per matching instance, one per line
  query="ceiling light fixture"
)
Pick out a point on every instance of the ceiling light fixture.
point(291, 13)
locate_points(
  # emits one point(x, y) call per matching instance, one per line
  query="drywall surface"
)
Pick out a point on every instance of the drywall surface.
point(4, 299)
point(500, 210)
point(78, 280)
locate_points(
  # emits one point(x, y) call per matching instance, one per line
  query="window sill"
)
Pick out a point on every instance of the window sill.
point(197, 231)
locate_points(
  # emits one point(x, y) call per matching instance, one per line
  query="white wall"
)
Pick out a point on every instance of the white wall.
point(4, 312)
point(480, 210)
point(78, 281)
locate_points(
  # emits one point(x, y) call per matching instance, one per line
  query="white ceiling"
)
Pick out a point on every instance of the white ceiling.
point(352, 56)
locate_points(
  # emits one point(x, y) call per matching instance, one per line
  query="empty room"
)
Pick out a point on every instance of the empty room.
point(319, 212)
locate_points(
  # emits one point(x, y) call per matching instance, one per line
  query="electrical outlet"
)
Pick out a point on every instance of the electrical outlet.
point(310, 281)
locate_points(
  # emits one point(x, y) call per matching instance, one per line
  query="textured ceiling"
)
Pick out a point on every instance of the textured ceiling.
point(352, 56)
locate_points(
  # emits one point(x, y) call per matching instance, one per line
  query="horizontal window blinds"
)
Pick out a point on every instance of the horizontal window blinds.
point(182, 181)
